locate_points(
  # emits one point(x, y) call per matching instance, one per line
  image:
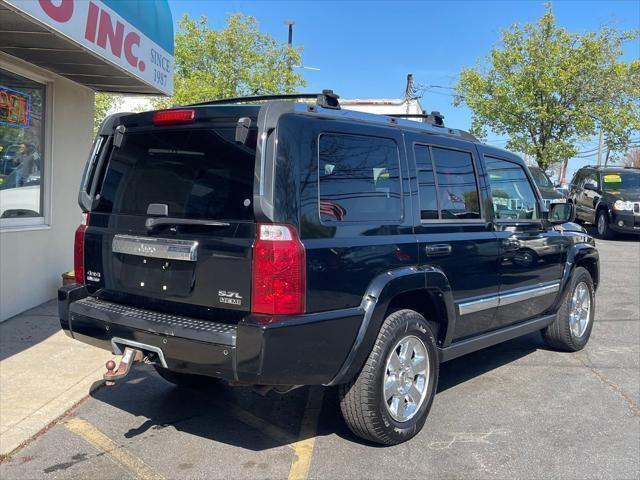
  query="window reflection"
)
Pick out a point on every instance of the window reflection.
point(359, 179)
point(511, 192)
point(457, 188)
point(21, 146)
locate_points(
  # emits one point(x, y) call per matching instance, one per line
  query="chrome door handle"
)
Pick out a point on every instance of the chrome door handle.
point(438, 250)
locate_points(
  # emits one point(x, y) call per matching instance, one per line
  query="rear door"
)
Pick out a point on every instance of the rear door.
point(172, 226)
point(453, 231)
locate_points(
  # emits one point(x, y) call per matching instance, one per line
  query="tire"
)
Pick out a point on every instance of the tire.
point(560, 335)
point(602, 224)
point(363, 402)
point(185, 380)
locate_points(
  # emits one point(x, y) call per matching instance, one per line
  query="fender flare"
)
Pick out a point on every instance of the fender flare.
point(381, 291)
point(577, 254)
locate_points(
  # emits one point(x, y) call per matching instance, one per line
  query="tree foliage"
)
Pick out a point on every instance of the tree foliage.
point(104, 104)
point(234, 61)
point(547, 89)
point(632, 159)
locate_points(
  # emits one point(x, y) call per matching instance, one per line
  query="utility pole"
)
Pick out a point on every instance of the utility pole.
point(290, 24)
point(600, 147)
point(409, 91)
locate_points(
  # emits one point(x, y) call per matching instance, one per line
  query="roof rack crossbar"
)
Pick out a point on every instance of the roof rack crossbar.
point(434, 118)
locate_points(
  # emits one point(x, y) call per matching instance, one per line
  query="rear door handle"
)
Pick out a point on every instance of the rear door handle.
point(438, 250)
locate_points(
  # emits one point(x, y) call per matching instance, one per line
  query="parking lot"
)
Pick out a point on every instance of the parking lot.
point(516, 410)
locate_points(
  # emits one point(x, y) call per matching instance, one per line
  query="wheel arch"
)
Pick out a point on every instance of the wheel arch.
point(600, 207)
point(427, 290)
point(579, 255)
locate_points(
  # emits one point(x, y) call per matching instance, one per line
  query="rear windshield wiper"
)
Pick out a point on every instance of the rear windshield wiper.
point(152, 223)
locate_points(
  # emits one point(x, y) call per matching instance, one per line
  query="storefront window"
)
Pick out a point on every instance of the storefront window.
point(22, 103)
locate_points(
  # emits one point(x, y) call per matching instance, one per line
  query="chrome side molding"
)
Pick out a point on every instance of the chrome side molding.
point(509, 298)
point(167, 248)
point(478, 305)
point(506, 298)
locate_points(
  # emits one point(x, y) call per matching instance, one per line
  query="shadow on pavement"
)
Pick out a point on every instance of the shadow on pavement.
point(219, 412)
point(478, 363)
point(28, 329)
point(232, 415)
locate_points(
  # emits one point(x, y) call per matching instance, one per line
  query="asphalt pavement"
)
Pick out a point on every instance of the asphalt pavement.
point(515, 410)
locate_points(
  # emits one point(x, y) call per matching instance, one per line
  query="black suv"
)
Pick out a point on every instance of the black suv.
point(295, 243)
point(608, 197)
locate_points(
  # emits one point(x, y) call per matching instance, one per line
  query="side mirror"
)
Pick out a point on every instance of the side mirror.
point(561, 213)
point(591, 186)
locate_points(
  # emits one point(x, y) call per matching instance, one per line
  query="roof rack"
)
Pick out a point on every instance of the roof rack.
point(327, 103)
point(434, 118)
point(326, 99)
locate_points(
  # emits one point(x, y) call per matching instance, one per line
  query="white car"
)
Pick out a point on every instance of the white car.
point(20, 202)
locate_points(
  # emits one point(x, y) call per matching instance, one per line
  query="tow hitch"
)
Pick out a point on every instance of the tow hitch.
point(129, 357)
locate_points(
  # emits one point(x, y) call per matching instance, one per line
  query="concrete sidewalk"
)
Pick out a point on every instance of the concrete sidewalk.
point(43, 373)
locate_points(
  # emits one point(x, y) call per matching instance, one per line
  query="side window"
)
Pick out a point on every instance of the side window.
point(577, 178)
point(458, 196)
point(426, 183)
point(359, 179)
point(512, 195)
point(593, 178)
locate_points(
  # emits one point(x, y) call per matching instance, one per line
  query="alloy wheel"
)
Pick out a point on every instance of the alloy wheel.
point(580, 313)
point(406, 378)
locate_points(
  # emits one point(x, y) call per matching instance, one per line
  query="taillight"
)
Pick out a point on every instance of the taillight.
point(173, 117)
point(78, 250)
point(278, 286)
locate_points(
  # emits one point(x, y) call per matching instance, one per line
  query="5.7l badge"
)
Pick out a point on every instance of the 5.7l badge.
point(233, 298)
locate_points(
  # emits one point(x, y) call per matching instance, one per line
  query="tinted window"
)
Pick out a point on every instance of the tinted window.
point(457, 188)
point(592, 177)
point(541, 178)
point(426, 183)
point(359, 179)
point(577, 178)
point(511, 192)
point(198, 173)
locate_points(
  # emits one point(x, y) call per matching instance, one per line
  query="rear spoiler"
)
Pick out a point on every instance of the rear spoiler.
point(87, 198)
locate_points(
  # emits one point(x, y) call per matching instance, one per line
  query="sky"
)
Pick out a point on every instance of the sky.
point(365, 49)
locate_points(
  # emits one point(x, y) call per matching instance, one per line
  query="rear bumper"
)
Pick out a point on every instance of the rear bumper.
point(302, 350)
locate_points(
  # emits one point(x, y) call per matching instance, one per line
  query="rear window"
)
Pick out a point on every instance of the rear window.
point(198, 173)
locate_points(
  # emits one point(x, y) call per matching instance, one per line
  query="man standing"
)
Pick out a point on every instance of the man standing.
point(25, 161)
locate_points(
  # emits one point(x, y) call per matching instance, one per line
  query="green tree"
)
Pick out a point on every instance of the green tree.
point(104, 104)
point(234, 61)
point(547, 89)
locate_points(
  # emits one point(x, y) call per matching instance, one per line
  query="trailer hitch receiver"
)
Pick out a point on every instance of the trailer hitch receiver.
point(129, 357)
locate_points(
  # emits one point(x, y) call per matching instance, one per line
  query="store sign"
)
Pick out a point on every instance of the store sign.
point(14, 107)
point(102, 30)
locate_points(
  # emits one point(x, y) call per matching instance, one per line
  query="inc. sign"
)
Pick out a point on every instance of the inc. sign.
point(99, 28)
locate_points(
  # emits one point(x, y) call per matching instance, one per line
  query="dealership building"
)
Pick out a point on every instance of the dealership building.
point(54, 55)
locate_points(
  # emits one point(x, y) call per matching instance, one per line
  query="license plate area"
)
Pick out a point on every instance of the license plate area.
point(157, 276)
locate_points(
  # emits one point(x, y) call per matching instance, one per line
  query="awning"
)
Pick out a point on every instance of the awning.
point(108, 45)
